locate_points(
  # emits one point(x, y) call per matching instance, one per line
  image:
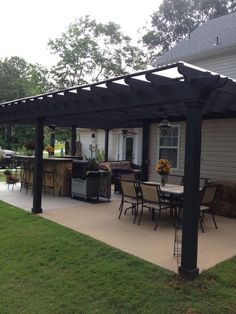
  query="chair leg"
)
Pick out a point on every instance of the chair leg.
point(213, 217)
point(135, 212)
point(121, 207)
point(141, 214)
point(200, 222)
point(158, 220)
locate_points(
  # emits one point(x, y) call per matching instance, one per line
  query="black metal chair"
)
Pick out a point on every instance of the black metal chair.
point(153, 199)
point(130, 196)
point(116, 176)
point(175, 179)
point(208, 195)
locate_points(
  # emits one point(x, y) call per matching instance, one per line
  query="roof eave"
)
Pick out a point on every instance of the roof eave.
point(204, 54)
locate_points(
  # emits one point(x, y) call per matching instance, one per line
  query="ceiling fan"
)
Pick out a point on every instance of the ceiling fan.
point(126, 132)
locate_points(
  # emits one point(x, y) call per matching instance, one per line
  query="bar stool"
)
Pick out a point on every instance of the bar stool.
point(25, 174)
point(29, 176)
point(49, 178)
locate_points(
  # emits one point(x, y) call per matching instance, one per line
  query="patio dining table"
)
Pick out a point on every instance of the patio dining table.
point(174, 193)
point(173, 189)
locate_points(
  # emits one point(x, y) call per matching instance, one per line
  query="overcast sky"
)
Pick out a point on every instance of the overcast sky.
point(27, 25)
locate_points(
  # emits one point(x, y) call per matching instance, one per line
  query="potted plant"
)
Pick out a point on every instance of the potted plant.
point(10, 178)
point(50, 150)
point(8, 174)
point(30, 147)
point(163, 167)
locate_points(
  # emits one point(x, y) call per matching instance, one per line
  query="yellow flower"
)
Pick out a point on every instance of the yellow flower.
point(163, 167)
point(49, 149)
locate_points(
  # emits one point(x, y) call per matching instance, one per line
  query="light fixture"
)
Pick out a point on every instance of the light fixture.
point(164, 126)
point(52, 128)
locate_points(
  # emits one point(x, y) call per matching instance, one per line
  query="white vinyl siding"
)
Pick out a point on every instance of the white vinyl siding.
point(218, 157)
point(224, 64)
point(86, 140)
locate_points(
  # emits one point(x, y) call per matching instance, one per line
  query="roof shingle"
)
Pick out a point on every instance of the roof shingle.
point(204, 39)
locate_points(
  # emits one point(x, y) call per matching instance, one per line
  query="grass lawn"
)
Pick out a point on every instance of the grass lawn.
point(47, 268)
point(2, 176)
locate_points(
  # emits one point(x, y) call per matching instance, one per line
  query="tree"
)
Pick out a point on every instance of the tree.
point(90, 51)
point(19, 78)
point(175, 19)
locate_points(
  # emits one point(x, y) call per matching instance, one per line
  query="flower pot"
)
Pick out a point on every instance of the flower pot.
point(164, 178)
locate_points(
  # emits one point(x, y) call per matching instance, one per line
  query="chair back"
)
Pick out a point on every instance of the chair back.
point(209, 194)
point(128, 177)
point(175, 179)
point(129, 188)
point(150, 192)
point(203, 182)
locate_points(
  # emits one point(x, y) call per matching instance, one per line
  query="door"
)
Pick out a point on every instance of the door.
point(129, 148)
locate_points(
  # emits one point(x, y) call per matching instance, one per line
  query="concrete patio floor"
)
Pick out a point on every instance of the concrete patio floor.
point(99, 220)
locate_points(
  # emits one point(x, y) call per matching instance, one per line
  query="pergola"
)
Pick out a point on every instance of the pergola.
point(179, 90)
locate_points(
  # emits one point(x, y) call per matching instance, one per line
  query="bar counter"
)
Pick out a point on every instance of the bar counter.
point(60, 167)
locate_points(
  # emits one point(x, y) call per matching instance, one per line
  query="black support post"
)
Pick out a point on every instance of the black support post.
point(52, 128)
point(73, 141)
point(145, 152)
point(106, 144)
point(188, 268)
point(52, 142)
point(38, 167)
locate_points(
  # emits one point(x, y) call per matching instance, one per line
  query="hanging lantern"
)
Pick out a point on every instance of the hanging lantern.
point(164, 126)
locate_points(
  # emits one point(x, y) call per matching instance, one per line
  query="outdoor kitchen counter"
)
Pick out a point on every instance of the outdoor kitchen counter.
point(60, 176)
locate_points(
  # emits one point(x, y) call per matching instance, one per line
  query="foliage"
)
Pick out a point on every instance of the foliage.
point(20, 79)
point(64, 271)
point(14, 137)
point(90, 51)
point(30, 145)
point(7, 172)
point(100, 155)
point(175, 19)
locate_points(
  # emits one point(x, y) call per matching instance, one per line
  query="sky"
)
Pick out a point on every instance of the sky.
point(27, 25)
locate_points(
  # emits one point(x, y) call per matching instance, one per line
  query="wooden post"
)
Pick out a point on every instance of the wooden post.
point(38, 167)
point(106, 144)
point(73, 141)
point(145, 152)
point(191, 205)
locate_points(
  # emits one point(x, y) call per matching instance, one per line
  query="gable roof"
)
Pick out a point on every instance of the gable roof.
point(203, 40)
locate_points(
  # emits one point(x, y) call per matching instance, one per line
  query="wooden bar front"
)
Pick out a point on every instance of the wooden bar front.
point(61, 168)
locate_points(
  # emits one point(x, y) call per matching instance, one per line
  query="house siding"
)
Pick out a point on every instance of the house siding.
point(225, 64)
point(85, 140)
point(113, 145)
point(218, 157)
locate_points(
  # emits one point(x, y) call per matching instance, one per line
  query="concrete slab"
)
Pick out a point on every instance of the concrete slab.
point(99, 220)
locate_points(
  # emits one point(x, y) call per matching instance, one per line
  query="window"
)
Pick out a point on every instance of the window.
point(169, 146)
